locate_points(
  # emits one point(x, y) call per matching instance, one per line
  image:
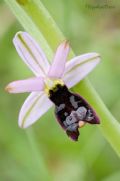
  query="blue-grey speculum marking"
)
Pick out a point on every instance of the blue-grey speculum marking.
point(71, 121)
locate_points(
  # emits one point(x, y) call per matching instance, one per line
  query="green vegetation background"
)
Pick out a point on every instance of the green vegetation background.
point(91, 158)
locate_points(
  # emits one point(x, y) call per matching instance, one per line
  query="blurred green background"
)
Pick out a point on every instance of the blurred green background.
point(92, 158)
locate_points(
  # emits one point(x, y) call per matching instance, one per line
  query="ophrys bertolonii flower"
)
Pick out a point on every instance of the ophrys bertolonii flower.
point(50, 85)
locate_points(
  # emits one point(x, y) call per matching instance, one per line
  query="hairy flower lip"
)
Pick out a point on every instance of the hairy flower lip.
point(70, 73)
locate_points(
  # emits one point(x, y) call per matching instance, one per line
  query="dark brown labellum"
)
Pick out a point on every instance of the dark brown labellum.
point(71, 109)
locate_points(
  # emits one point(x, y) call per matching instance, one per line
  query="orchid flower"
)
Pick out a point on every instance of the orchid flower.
point(47, 76)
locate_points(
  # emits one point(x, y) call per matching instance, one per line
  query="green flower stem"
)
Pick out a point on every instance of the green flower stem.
point(41, 169)
point(36, 20)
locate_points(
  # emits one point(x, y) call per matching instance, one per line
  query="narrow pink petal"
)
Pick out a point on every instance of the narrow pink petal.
point(28, 85)
point(58, 65)
point(79, 67)
point(31, 53)
point(33, 108)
